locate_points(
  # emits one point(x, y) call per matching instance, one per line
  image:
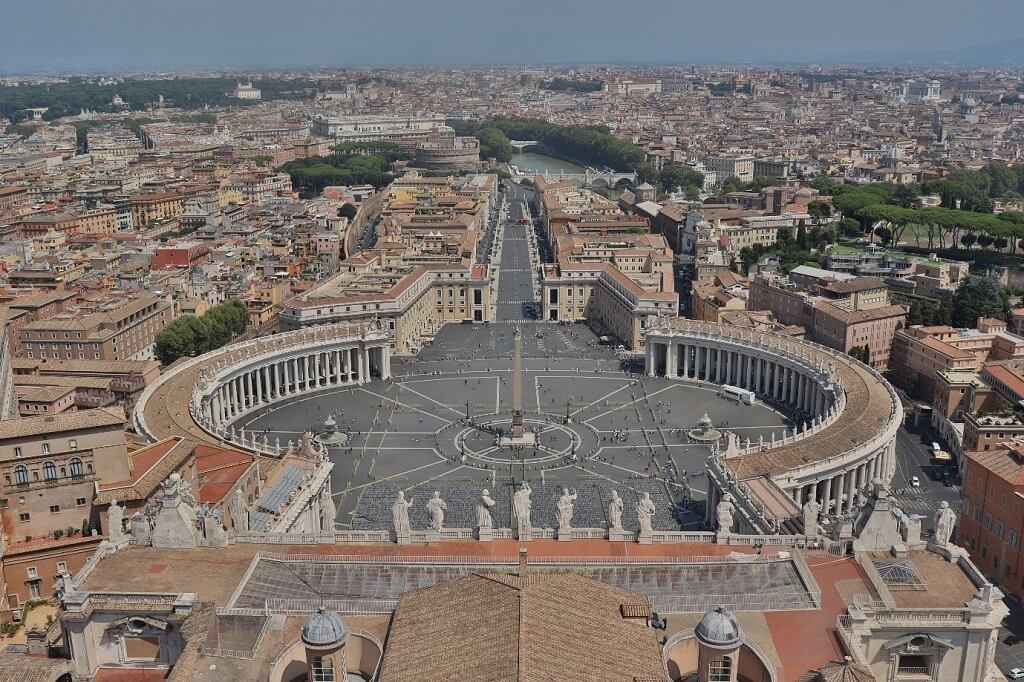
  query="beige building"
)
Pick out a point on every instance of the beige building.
point(49, 466)
point(122, 328)
point(839, 314)
point(921, 354)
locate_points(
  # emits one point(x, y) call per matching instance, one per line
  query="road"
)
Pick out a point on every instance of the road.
point(913, 458)
point(517, 295)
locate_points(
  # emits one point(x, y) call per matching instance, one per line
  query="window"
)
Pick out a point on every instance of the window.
point(24, 516)
point(1011, 537)
point(46, 448)
point(49, 471)
point(80, 502)
point(21, 475)
point(720, 670)
point(17, 451)
point(62, 567)
point(76, 467)
point(32, 573)
point(323, 669)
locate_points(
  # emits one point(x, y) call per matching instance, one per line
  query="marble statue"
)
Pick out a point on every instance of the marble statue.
point(307, 449)
point(521, 505)
point(945, 520)
point(725, 510)
point(811, 511)
point(239, 513)
point(115, 525)
point(645, 513)
point(615, 512)
point(400, 515)
point(328, 512)
point(483, 513)
point(565, 509)
point(436, 508)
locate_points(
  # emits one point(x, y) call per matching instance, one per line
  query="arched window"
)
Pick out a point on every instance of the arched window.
point(21, 475)
point(720, 670)
point(323, 669)
point(49, 471)
point(76, 467)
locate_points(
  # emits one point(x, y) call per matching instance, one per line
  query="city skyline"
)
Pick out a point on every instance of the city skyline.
point(117, 35)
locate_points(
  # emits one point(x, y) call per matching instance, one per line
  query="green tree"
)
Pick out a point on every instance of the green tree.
point(979, 296)
point(348, 211)
point(801, 235)
point(906, 196)
point(494, 144)
point(884, 234)
point(819, 209)
point(849, 227)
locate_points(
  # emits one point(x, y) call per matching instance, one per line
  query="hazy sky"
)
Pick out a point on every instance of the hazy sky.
point(149, 34)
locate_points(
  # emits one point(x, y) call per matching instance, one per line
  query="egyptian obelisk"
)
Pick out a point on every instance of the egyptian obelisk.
point(517, 388)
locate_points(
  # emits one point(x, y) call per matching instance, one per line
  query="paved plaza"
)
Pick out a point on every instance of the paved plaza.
point(412, 431)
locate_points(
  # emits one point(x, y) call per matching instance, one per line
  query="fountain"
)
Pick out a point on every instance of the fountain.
point(705, 431)
point(330, 436)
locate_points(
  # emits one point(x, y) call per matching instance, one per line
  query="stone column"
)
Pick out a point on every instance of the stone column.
point(826, 493)
point(385, 352)
point(685, 350)
point(851, 487)
point(365, 367)
point(671, 351)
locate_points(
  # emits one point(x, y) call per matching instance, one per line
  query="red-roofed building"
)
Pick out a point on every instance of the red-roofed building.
point(992, 519)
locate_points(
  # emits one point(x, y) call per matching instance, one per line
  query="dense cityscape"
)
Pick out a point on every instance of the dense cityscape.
point(600, 372)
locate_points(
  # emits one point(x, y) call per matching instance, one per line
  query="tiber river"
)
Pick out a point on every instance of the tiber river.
point(540, 163)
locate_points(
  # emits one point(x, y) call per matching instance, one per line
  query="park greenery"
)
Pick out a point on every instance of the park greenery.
point(980, 296)
point(560, 84)
point(362, 164)
point(591, 145)
point(67, 99)
point(494, 144)
point(888, 211)
point(191, 335)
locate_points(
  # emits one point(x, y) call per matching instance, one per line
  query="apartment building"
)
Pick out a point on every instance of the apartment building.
point(840, 315)
point(95, 223)
point(49, 467)
point(724, 167)
point(992, 517)
point(920, 354)
point(153, 207)
point(120, 328)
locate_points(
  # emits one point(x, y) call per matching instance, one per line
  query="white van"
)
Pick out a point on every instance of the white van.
point(935, 448)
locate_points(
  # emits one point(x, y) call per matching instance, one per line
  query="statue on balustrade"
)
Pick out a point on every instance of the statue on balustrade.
point(565, 509)
point(725, 514)
point(436, 508)
point(400, 515)
point(945, 520)
point(521, 505)
point(811, 511)
point(483, 513)
point(115, 522)
point(645, 514)
point(615, 512)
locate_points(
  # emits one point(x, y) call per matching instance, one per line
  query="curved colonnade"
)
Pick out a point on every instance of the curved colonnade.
point(846, 415)
point(203, 397)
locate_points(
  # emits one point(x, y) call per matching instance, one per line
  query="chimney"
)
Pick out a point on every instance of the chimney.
point(523, 566)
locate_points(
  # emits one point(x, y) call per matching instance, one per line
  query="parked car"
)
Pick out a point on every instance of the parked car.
point(915, 482)
point(1010, 640)
point(1016, 673)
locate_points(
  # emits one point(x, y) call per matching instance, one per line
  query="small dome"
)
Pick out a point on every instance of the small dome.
point(324, 628)
point(719, 629)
